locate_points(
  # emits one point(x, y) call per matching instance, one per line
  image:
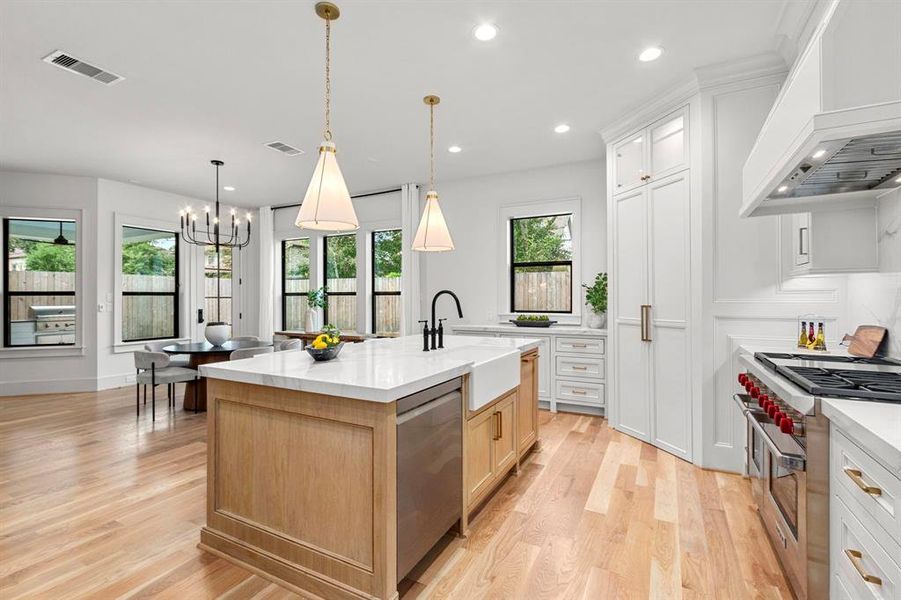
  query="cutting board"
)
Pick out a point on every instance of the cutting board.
point(866, 340)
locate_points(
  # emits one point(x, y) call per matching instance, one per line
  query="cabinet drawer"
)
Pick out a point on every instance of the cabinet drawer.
point(581, 345)
point(852, 471)
point(580, 392)
point(580, 366)
point(858, 560)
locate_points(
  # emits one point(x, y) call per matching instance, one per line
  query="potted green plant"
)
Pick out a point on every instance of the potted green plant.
point(316, 300)
point(596, 299)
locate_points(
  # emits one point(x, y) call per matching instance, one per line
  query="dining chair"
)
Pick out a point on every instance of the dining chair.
point(178, 360)
point(154, 368)
point(248, 352)
point(294, 344)
point(245, 338)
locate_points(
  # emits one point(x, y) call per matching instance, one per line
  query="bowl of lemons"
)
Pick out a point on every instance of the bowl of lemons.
point(327, 345)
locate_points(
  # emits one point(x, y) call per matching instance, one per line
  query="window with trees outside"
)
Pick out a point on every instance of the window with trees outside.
point(295, 283)
point(149, 284)
point(541, 264)
point(39, 282)
point(386, 265)
point(340, 262)
point(218, 285)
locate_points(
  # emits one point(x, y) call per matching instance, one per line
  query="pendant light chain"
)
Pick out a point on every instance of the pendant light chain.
point(328, 79)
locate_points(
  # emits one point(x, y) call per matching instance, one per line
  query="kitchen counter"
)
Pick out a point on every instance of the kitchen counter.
point(875, 425)
point(381, 370)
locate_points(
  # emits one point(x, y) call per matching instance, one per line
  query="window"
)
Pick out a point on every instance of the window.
point(149, 284)
point(340, 262)
point(218, 284)
point(541, 252)
point(295, 283)
point(39, 290)
point(386, 265)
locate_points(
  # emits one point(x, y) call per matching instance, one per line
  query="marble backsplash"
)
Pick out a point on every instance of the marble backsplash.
point(875, 298)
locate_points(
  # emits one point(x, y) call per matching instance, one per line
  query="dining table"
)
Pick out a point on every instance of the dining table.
point(201, 353)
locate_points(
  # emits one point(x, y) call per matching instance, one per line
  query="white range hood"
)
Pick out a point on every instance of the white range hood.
point(833, 136)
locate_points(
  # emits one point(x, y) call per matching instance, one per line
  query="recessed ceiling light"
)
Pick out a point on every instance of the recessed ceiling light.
point(485, 32)
point(454, 149)
point(561, 128)
point(637, 140)
point(228, 188)
point(649, 54)
point(818, 153)
point(782, 188)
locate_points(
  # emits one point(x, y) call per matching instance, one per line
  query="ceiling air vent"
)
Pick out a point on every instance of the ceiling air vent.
point(70, 63)
point(284, 148)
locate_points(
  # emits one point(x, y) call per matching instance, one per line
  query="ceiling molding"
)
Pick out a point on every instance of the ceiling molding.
point(749, 68)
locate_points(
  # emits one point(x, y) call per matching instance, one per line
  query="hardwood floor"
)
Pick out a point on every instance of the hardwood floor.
point(96, 504)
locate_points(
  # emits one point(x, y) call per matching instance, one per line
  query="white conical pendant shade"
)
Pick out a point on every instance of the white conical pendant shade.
point(327, 205)
point(432, 235)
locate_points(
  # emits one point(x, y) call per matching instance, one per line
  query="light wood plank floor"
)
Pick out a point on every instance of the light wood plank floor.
point(96, 504)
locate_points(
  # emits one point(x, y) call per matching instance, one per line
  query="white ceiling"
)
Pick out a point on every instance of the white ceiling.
point(218, 79)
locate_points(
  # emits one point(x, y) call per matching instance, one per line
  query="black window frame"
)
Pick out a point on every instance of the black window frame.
point(8, 295)
point(376, 294)
point(329, 293)
point(286, 294)
point(546, 263)
point(176, 322)
point(219, 270)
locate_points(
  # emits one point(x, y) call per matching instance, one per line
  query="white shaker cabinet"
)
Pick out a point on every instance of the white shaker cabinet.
point(652, 153)
point(650, 280)
point(833, 241)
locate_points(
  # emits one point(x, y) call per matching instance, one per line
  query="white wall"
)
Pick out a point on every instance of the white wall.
point(101, 361)
point(875, 298)
point(57, 369)
point(471, 208)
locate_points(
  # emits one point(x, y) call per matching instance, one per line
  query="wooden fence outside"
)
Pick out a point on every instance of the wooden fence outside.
point(544, 290)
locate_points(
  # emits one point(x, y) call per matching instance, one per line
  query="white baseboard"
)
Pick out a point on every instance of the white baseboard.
point(65, 386)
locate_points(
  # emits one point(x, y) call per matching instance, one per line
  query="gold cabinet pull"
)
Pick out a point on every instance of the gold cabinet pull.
point(857, 477)
point(856, 558)
point(646, 323)
point(579, 392)
point(579, 368)
point(575, 345)
point(497, 426)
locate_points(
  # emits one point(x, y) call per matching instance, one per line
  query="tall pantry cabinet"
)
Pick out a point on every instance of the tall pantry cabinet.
point(650, 238)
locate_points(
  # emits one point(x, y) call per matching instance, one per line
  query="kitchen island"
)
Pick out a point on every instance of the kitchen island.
point(302, 483)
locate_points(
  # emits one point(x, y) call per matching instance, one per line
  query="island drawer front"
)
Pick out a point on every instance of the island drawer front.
point(580, 366)
point(856, 554)
point(581, 392)
point(852, 471)
point(581, 345)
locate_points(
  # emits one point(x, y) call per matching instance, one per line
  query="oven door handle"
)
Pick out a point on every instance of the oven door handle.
point(742, 405)
point(788, 461)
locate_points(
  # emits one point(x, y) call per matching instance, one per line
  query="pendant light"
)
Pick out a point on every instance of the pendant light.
point(432, 234)
point(327, 205)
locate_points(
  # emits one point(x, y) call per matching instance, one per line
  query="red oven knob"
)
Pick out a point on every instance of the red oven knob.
point(742, 378)
point(766, 405)
point(771, 411)
point(777, 418)
point(755, 392)
point(748, 385)
point(762, 399)
point(786, 426)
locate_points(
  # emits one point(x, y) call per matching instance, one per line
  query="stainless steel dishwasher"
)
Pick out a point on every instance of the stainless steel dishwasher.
point(429, 470)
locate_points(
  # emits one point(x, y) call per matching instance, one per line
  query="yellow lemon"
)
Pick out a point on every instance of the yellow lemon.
point(320, 345)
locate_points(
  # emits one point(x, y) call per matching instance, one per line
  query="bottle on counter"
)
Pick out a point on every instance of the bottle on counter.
point(820, 343)
point(811, 336)
point(802, 340)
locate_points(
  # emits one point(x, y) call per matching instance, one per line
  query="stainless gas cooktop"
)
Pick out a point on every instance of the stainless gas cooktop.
point(838, 376)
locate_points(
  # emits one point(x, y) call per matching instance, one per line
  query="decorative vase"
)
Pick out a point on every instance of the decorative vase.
point(597, 321)
point(312, 322)
point(217, 333)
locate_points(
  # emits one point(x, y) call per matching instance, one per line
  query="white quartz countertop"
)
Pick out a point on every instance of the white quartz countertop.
point(554, 329)
point(874, 425)
point(380, 370)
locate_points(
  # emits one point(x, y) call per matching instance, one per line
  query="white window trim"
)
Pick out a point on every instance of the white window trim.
point(184, 291)
point(537, 208)
point(79, 348)
point(278, 275)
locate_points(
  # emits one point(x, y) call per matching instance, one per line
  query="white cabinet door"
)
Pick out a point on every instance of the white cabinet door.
point(668, 145)
point(670, 281)
point(629, 163)
point(630, 287)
